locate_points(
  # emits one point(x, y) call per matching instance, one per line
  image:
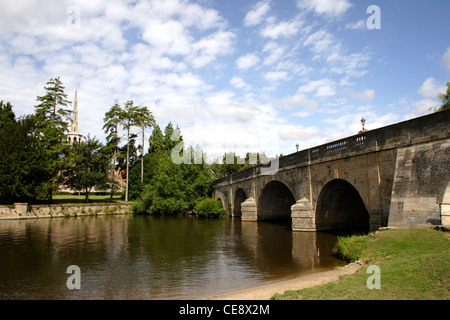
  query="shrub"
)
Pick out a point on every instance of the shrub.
point(352, 248)
point(210, 208)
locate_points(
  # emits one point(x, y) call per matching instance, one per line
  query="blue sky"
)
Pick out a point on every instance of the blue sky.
point(242, 76)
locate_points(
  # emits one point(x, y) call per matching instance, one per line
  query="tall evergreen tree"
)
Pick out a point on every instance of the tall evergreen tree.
point(143, 119)
point(156, 141)
point(52, 123)
point(23, 169)
point(7, 116)
point(54, 106)
point(111, 128)
point(128, 120)
point(171, 137)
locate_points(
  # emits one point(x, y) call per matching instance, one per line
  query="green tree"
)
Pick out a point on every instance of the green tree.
point(23, 168)
point(54, 105)
point(173, 189)
point(52, 121)
point(127, 117)
point(156, 141)
point(111, 128)
point(445, 99)
point(128, 120)
point(164, 194)
point(143, 119)
point(7, 116)
point(89, 166)
point(151, 158)
point(171, 137)
point(133, 158)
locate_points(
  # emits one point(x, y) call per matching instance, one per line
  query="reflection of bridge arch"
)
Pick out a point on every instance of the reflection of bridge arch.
point(239, 197)
point(340, 206)
point(275, 202)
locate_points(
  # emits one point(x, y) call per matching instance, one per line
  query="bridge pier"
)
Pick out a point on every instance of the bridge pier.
point(302, 214)
point(249, 211)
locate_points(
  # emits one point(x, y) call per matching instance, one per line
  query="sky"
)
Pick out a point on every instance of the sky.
point(233, 75)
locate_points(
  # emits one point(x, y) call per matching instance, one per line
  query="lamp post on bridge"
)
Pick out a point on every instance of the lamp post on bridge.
point(297, 146)
point(363, 123)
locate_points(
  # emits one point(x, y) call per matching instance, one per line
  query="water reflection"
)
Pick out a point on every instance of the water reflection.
point(129, 257)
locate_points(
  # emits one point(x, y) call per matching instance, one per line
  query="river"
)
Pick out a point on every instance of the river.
point(147, 257)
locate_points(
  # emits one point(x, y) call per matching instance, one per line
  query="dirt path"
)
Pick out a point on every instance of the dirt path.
point(265, 292)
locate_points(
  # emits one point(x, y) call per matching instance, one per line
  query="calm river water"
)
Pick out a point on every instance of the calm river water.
point(137, 257)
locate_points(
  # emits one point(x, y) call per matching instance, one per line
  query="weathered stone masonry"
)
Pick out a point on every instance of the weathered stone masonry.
point(26, 211)
point(395, 176)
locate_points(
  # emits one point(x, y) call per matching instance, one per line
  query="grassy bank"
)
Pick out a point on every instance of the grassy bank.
point(80, 199)
point(414, 265)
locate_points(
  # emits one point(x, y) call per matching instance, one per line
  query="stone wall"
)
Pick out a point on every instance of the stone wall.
point(26, 211)
point(421, 176)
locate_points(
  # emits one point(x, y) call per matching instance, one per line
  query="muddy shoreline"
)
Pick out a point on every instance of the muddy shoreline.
point(266, 292)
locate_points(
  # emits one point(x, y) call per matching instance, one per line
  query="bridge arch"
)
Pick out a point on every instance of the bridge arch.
point(216, 194)
point(340, 207)
point(239, 197)
point(275, 202)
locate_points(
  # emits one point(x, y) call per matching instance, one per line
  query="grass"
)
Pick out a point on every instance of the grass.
point(80, 199)
point(414, 265)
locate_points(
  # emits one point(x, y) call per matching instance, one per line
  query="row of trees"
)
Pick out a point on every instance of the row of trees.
point(127, 117)
point(32, 147)
point(36, 158)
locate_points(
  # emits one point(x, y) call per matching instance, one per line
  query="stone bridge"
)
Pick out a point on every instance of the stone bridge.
point(395, 176)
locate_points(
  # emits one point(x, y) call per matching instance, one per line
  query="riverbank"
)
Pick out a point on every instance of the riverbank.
point(27, 211)
point(266, 292)
point(412, 264)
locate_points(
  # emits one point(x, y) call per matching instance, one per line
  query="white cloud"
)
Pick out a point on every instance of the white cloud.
point(298, 100)
point(358, 25)
point(247, 61)
point(294, 68)
point(299, 133)
point(175, 56)
point(239, 83)
point(322, 88)
point(208, 48)
point(366, 95)
point(423, 106)
point(275, 76)
point(349, 124)
point(429, 92)
point(430, 89)
point(302, 114)
point(275, 53)
point(257, 14)
point(329, 49)
point(167, 36)
point(321, 41)
point(327, 7)
point(283, 29)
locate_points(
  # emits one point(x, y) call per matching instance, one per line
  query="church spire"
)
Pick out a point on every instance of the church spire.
point(74, 127)
point(74, 136)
